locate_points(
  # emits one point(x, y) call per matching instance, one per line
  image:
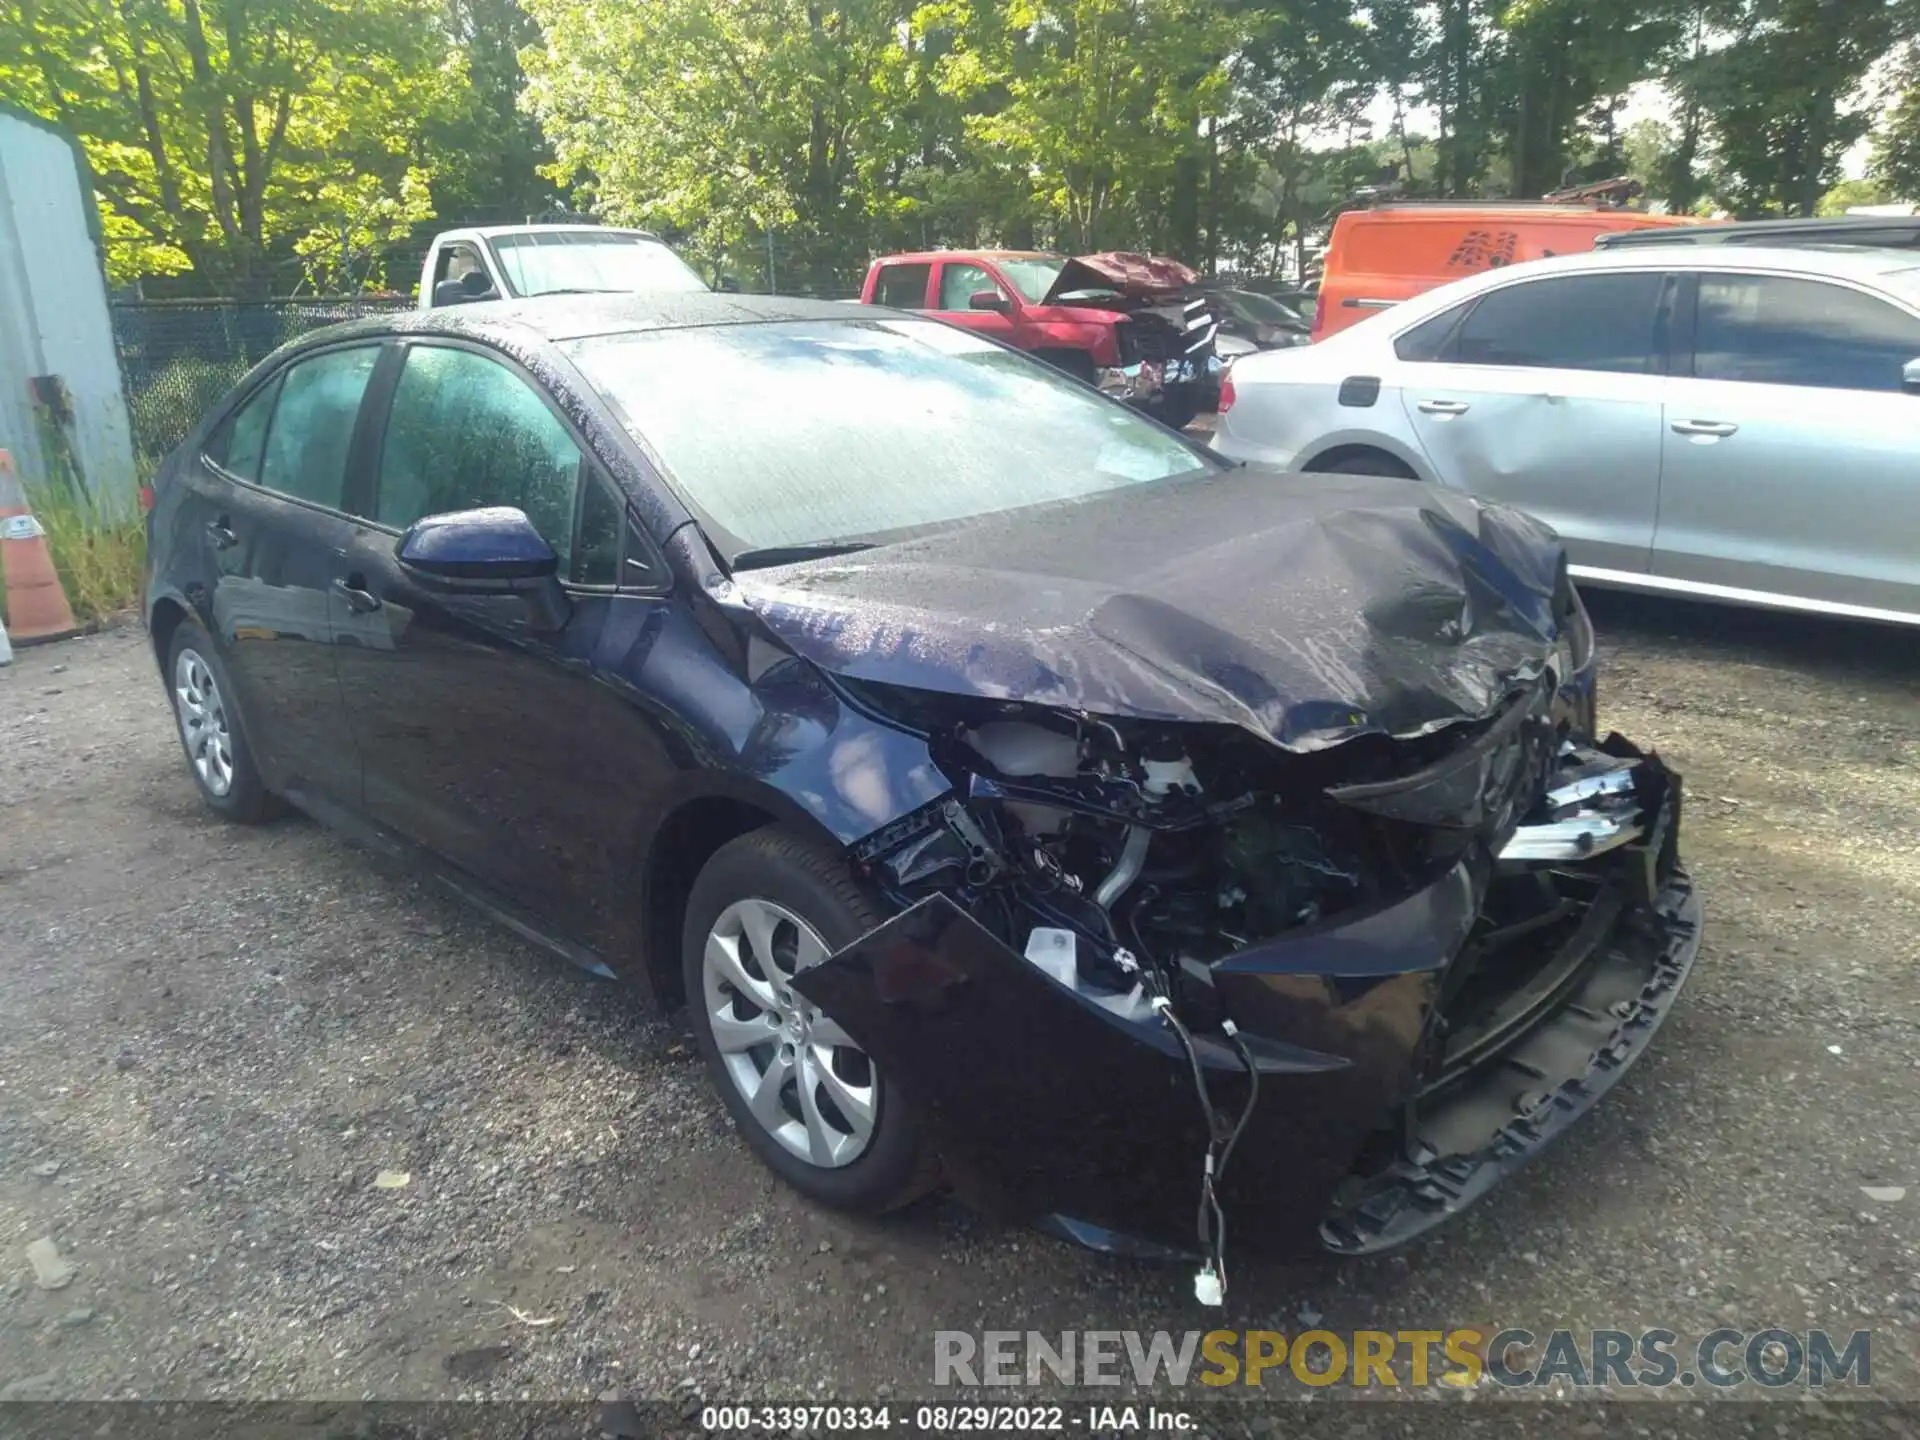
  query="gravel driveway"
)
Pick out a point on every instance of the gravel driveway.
point(215, 1041)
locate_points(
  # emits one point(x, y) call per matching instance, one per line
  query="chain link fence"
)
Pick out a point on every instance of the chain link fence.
point(179, 357)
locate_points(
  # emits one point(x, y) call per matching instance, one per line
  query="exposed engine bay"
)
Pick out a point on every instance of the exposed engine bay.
point(1129, 863)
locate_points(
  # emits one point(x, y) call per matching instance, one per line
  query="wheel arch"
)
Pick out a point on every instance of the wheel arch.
point(163, 619)
point(672, 856)
point(1380, 449)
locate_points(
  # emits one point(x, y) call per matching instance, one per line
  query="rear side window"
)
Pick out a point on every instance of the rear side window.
point(1428, 340)
point(466, 432)
point(312, 426)
point(1569, 322)
point(904, 287)
point(1778, 330)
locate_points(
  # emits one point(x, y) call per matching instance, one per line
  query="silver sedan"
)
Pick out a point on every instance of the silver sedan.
point(1740, 425)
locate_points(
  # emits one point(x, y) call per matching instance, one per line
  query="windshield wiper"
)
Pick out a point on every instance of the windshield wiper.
point(579, 290)
point(793, 554)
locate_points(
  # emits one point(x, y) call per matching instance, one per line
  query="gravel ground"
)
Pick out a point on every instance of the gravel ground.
point(214, 1041)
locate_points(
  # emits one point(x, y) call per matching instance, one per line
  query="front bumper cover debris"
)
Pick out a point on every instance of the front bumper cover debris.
point(1386, 1103)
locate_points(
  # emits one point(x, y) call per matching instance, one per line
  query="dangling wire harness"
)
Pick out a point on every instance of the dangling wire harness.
point(1210, 1282)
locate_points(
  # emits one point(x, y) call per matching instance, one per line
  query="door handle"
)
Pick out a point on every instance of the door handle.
point(1444, 407)
point(1718, 429)
point(360, 601)
point(220, 535)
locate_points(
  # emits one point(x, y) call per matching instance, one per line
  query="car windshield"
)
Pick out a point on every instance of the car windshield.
point(816, 434)
point(547, 262)
point(1259, 309)
point(1032, 275)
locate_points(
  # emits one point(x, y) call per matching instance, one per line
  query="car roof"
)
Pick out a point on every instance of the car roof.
point(489, 232)
point(1841, 261)
point(559, 318)
point(917, 257)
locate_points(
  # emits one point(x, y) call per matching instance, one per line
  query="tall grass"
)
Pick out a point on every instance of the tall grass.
point(100, 556)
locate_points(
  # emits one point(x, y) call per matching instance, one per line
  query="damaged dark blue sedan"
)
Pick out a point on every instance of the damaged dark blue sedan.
point(1020, 797)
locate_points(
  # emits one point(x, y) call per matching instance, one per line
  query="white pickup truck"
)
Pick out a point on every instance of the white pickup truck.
point(505, 262)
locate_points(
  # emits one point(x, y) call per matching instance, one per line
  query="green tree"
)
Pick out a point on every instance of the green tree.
point(229, 137)
point(1896, 149)
point(1098, 104)
point(485, 153)
point(727, 123)
point(1783, 99)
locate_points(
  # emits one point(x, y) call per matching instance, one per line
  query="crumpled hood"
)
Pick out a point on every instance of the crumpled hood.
point(1306, 609)
point(1140, 277)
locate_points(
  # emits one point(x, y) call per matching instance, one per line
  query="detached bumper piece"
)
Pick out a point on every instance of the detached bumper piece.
point(1511, 1071)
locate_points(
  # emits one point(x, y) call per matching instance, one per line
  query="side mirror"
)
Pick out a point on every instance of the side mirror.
point(495, 551)
point(729, 285)
point(988, 300)
point(1910, 377)
point(476, 286)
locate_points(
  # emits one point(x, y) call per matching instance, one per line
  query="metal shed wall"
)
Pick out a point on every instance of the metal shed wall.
point(53, 310)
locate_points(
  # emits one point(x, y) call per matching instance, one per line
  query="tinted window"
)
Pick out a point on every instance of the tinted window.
point(904, 287)
point(237, 446)
point(603, 521)
point(958, 284)
point(1775, 330)
point(828, 431)
point(312, 426)
point(1428, 339)
point(1572, 322)
point(464, 432)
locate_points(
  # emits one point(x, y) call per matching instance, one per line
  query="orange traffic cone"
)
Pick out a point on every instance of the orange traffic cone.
point(37, 607)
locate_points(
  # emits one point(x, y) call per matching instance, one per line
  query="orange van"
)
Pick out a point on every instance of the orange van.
point(1377, 258)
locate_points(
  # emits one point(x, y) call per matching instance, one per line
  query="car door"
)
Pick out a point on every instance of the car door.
point(487, 741)
point(1546, 395)
point(959, 281)
point(269, 499)
point(1792, 461)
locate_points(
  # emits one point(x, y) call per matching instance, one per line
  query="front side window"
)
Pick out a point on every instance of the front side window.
point(467, 432)
point(553, 262)
point(902, 287)
point(312, 426)
point(1569, 322)
point(959, 281)
point(836, 432)
point(236, 446)
point(457, 261)
point(1779, 330)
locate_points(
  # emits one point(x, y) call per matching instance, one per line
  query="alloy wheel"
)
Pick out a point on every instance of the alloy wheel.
point(804, 1080)
point(202, 712)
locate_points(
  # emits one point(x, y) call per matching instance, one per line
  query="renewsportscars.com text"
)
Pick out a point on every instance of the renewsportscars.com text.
point(1460, 1357)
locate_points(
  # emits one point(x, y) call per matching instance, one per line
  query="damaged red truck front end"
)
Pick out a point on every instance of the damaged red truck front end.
point(1137, 326)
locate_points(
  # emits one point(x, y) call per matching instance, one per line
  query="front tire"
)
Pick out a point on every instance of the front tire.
point(212, 732)
point(809, 1102)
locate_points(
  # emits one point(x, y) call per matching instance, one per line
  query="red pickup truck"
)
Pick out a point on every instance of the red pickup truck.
point(1136, 326)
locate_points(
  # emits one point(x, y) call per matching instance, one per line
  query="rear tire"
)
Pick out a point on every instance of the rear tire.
point(809, 1102)
point(212, 731)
